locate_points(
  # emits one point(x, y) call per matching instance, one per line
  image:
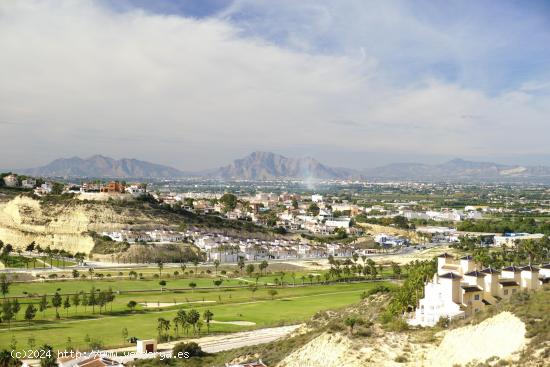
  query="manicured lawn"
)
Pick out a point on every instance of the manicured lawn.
point(291, 305)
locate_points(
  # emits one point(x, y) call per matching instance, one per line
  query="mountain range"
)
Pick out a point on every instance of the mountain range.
point(457, 169)
point(267, 165)
point(99, 166)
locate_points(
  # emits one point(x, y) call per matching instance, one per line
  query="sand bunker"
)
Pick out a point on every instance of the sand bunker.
point(168, 304)
point(240, 323)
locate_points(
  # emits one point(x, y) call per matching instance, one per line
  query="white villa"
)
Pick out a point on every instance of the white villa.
point(459, 289)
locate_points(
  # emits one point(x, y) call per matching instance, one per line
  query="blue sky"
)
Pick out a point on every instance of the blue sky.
point(382, 80)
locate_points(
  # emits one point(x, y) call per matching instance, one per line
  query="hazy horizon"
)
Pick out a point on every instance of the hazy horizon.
point(351, 83)
point(378, 161)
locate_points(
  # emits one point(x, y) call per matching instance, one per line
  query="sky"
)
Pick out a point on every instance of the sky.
point(353, 83)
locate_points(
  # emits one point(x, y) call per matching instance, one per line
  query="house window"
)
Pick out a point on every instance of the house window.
point(476, 297)
point(506, 292)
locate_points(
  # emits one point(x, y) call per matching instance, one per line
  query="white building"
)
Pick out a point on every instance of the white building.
point(317, 198)
point(29, 183)
point(458, 289)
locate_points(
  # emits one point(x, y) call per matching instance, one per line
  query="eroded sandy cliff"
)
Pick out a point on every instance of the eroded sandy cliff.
point(65, 225)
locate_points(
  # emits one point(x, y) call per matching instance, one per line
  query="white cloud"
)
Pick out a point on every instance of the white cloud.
point(78, 78)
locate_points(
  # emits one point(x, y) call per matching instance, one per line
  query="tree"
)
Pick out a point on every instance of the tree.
point(43, 304)
point(263, 265)
point(193, 285)
point(15, 307)
point(76, 274)
point(92, 300)
point(67, 305)
point(132, 305)
point(4, 285)
point(272, 292)
point(91, 272)
point(30, 247)
point(249, 269)
point(240, 264)
point(30, 313)
point(313, 209)
point(199, 326)
point(163, 325)
point(162, 283)
point(56, 302)
point(396, 270)
point(31, 342)
point(76, 301)
point(193, 317)
point(218, 282)
point(7, 313)
point(48, 359)
point(124, 334)
point(216, 265)
point(160, 265)
point(253, 289)
point(101, 300)
point(181, 319)
point(85, 301)
point(229, 201)
point(350, 322)
point(207, 318)
point(57, 188)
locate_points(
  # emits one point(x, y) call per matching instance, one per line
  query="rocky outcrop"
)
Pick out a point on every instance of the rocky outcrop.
point(64, 225)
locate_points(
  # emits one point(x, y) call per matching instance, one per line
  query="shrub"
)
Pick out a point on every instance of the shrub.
point(375, 290)
point(190, 349)
point(401, 359)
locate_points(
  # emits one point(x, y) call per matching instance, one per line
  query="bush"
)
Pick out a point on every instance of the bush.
point(443, 322)
point(401, 359)
point(375, 290)
point(190, 349)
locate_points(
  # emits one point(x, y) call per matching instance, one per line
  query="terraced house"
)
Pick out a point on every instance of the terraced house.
point(460, 289)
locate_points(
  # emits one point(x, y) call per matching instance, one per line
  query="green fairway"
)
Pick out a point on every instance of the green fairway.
point(290, 305)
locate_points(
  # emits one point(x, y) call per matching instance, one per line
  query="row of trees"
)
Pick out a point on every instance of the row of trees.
point(532, 251)
point(95, 298)
point(59, 254)
point(518, 224)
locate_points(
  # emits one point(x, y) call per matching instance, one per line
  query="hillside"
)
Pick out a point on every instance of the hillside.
point(69, 223)
point(512, 333)
point(99, 166)
point(267, 165)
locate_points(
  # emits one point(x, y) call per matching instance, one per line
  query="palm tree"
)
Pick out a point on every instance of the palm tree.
point(208, 317)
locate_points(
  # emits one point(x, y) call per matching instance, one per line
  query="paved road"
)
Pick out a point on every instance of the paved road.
point(214, 344)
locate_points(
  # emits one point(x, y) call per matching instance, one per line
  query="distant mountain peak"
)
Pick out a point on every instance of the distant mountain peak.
point(100, 166)
point(260, 165)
